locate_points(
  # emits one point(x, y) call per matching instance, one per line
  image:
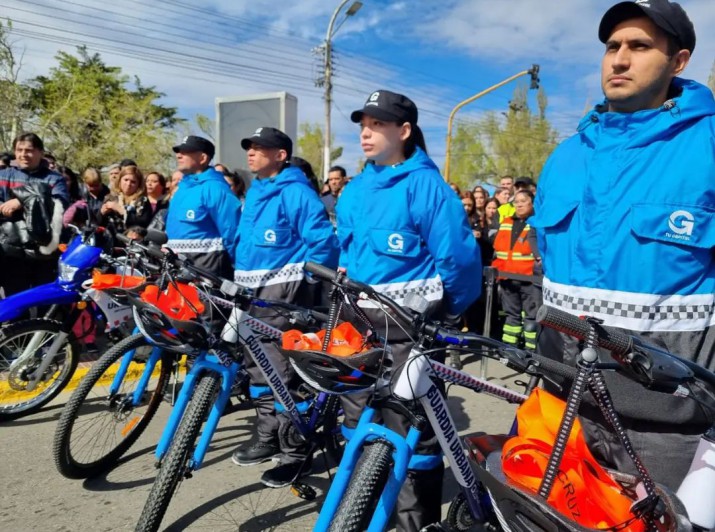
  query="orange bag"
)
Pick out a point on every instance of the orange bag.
point(344, 341)
point(103, 281)
point(178, 301)
point(583, 491)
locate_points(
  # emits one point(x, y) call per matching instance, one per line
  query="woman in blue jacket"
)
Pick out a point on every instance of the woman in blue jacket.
point(403, 230)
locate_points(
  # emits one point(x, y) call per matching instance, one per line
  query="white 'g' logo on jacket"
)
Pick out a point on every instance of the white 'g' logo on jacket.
point(681, 223)
point(395, 242)
point(190, 215)
point(270, 236)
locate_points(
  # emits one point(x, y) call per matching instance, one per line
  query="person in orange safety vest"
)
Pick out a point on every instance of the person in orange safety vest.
point(515, 251)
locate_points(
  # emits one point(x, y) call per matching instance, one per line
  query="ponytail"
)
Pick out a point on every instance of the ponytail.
point(416, 139)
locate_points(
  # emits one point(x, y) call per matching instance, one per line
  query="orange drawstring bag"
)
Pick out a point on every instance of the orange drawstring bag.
point(179, 301)
point(345, 340)
point(583, 491)
point(103, 281)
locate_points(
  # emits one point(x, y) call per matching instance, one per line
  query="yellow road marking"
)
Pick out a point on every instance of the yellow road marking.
point(8, 395)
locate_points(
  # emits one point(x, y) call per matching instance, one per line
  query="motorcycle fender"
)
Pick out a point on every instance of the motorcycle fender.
point(13, 306)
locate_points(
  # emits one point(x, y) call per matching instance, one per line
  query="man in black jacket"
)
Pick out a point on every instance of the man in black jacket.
point(18, 273)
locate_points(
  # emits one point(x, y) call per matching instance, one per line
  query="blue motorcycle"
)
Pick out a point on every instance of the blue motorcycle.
point(39, 356)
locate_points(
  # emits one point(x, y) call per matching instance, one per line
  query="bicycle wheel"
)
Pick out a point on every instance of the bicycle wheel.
point(332, 423)
point(175, 462)
point(97, 426)
point(17, 370)
point(366, 485)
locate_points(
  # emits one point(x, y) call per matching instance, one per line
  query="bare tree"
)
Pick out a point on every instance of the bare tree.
point(13, 111)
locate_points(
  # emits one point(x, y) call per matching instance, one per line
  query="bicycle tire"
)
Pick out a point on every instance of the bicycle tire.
point(96, 427)
point(173, 466)
point(333, 436)
point(13, 402)
point(366, 485)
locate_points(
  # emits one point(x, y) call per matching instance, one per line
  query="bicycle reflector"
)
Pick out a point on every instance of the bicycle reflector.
point(168, 317)
point(350, 365)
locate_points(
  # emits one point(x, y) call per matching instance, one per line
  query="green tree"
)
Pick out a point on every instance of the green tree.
point(206, 125)
point(13, 102)
point(515, 142)
point(90, 114)
point(310, 146)
point(470, 159)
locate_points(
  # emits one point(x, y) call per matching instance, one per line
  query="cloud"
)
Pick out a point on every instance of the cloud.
point(195, 53)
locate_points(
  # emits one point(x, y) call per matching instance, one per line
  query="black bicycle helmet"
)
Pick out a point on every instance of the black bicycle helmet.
point(175, 326)
point(337, 374)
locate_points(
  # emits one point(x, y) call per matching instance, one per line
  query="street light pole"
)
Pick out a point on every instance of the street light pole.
point(328, 79)
point(533, 72)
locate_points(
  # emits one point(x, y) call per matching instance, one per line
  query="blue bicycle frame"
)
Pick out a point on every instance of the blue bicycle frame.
point(248, 329)
point(414, 383)
point(121, 373)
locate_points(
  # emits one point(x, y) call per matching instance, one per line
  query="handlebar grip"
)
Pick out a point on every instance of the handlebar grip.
point(124, 239)
point(156, 237)
point(557, 368)
point(156, 253)
point(618, 343)
point(319, 271)
point(331, 275)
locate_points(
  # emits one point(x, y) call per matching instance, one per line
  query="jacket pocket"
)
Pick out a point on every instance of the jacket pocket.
point(398, 243)
point(272, 237)
point(680, 224)
point(552, 215)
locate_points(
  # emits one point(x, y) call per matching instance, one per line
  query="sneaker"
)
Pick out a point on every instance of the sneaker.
point(91, 348)
point(255, 453)
point(285, 474)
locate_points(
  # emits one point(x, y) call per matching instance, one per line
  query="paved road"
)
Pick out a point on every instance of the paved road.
point(220, 497)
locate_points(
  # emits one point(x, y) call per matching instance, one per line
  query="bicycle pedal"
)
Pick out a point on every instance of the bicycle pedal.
point(303, 491)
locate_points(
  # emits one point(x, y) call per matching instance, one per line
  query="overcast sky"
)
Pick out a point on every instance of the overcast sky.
point(436, 52)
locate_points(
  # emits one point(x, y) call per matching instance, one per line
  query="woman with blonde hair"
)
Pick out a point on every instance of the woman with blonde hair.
point(130, 206)
point(92, 195)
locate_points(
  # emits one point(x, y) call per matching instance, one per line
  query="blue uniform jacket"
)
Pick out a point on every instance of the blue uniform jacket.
point(625, 214)
point(203, 220)
point(283, 226)
point(402, 229)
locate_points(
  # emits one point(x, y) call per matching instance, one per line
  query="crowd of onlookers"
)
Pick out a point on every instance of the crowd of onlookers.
point(134, 200)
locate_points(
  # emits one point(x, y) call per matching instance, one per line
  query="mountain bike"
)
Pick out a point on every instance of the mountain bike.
point(117, 399)
point(375, 462)
point(207, 386)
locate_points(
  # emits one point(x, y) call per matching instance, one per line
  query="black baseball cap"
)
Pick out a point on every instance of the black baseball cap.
point(387, 106)
point(269, 137)
point(193, 143)
point(668, 16)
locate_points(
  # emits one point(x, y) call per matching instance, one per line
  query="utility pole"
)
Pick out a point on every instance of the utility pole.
point(533, 72)
point(327, 80)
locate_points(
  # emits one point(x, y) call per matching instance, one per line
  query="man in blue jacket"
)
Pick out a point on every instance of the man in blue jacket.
point(283, 226)
point(203, 216)
point(625, 213)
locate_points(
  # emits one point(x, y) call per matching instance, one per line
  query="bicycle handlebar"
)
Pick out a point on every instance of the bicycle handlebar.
point(517, 359)
point(643, 363)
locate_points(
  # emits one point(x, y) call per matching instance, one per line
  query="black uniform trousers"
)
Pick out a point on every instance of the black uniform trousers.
point(420, 500)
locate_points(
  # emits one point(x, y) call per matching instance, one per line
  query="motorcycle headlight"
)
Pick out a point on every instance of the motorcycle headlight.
point(67, 272)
